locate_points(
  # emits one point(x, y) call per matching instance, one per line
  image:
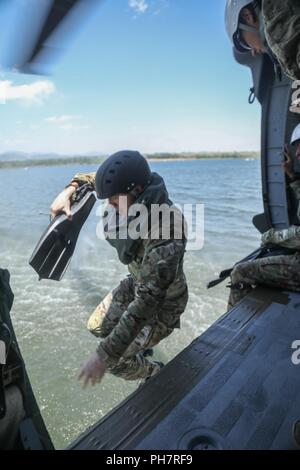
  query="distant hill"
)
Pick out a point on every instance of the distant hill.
point(22, 159)
point(14, 156)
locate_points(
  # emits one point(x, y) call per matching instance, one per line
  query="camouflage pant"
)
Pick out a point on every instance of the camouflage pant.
point(132, 365)
point(277, 271)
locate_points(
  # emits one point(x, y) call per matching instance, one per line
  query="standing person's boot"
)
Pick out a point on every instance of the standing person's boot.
point(148, 352)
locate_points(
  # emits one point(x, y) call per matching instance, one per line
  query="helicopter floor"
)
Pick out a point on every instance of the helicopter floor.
point(235, 387)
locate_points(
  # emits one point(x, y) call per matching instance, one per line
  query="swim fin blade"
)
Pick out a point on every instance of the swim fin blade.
point(53, 253)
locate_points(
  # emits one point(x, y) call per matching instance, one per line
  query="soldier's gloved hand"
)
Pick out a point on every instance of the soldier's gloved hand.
point(92, 371)
point(62, 203)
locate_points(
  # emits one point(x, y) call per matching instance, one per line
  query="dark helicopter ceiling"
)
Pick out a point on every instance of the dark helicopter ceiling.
point(41, 31)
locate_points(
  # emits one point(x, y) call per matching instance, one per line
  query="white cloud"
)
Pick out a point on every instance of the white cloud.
point(139, 6)
point(70, 127)
point(32, 93)
point(66, 122)
point(62, 119)
point(12, 143)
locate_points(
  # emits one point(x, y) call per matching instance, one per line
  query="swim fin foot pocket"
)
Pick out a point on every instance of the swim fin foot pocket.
point(56, 246)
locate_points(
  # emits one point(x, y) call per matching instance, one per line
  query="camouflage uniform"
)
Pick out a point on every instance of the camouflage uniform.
point(275, 271)
point(83, 178)
point(145, 307)
point(282, 31)
point(295, 187)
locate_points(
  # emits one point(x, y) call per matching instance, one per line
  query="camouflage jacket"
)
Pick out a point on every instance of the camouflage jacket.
point(282, 32)
point(295, 187)
point(157, 270)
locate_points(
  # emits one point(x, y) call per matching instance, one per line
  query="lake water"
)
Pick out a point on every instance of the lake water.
point(50, 318)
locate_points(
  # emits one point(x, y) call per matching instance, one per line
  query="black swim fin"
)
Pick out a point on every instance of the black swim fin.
point(55, 248)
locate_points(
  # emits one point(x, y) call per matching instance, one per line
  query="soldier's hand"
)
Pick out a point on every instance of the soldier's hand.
point(92, 371)
point(288, 164)
point(62, 203)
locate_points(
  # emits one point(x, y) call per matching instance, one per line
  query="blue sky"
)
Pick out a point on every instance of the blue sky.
point(152, 75)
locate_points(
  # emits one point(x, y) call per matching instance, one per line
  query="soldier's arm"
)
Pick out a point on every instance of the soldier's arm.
point(158, 271)
point(62, 202)
point(83, 178)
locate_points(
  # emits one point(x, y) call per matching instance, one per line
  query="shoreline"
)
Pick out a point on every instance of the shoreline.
point(68, 161)
point(199, 159)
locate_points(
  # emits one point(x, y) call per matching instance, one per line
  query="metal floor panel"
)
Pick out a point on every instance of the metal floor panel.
point(235, 387)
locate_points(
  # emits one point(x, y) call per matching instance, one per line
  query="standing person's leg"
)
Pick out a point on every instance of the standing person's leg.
point(133, 365)
point(108, 312)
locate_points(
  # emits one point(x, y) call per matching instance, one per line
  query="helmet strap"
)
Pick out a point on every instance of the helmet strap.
point(250, 29)
point(136, 192)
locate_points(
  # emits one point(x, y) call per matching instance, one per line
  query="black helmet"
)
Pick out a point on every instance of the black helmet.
point(121, 173)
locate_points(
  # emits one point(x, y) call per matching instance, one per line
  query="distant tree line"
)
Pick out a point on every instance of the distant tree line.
point(201, 155)
point(96, 161)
